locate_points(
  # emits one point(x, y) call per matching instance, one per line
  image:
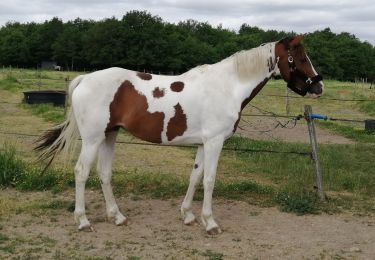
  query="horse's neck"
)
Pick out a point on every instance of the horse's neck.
point(253, 68)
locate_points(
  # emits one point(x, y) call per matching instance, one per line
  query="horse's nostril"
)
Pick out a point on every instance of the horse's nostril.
point(317, 89)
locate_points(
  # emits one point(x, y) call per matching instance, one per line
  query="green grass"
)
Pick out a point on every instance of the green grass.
point(286, 180)
point(48, 112)
point(25, 176)
point(3, 238)
point(11, 168)
point(34, 180)
point(10, 82)
point(350, 131)
point(345, 167)
point(212, 255)
point(57, 204)
point(325, 106)
point(17, 80)
point(305, 202)
point(133, 258)
point(367, 107)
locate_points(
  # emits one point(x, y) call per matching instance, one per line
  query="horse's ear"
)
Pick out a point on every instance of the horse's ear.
point(296, 40)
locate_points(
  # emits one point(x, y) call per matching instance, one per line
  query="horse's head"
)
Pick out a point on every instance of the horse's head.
point(296, 69)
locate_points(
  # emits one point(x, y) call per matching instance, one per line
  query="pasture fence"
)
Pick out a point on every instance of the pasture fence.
point(314, 149)
point(308, 115)
point(236, 149)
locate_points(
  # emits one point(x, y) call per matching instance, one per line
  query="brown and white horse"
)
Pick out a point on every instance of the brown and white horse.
point(202, 106)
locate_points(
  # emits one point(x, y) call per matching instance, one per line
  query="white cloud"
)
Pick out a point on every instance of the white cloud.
point(356, 17)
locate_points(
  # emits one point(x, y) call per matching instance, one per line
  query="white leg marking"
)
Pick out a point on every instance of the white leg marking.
point(212, 150)
point(82, 170)
point(195, 178)
point(105, 157)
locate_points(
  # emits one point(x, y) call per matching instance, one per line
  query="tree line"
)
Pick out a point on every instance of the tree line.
point(141, 41)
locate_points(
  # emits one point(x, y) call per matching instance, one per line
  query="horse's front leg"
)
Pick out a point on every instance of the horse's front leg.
point(195, 178)
point(212, 150)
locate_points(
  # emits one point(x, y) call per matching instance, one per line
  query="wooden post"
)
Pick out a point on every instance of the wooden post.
point(314, 146)
point(39, 83)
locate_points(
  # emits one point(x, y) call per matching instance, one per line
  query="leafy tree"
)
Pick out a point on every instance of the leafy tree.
point(141, 41)
point(13, 46)
point(45, 37)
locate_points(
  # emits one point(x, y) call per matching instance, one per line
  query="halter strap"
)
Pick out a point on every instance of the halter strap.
point(296, 73)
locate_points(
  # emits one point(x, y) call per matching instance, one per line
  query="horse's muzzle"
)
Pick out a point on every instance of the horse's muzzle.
point(316, 89)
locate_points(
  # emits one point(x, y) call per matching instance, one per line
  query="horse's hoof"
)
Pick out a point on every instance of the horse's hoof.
point(123, 222)
point(192, 223)
point(86, 228)
point(214, 231)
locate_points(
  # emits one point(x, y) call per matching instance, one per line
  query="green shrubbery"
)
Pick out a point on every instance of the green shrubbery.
point(284, 180)
point(21, 175)
point(11, 168)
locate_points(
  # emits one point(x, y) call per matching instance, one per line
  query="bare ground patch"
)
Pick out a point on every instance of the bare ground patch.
point(156, 231)
point(263, 128)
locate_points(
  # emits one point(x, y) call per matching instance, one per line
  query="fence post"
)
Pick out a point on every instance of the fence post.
point(313, 142)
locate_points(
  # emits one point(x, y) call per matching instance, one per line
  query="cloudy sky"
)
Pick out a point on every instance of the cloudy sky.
point(354, 16)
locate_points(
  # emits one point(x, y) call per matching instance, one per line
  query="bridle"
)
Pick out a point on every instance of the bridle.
point(295, 74)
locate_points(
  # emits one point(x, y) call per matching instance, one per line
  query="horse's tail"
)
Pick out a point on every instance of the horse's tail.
point(62, 137)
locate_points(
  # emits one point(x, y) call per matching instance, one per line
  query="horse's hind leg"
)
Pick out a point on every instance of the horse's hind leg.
point(82, 169)
point(212, 149)
point(105, 157)
point(195, 178)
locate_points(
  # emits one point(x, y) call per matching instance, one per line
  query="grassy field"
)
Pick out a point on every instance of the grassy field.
point(264, 179)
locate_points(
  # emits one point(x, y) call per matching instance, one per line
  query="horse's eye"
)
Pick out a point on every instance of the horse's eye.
point(303, 60)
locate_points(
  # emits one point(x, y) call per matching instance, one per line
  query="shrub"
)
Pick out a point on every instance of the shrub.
point(11, 168)
point(15, 173)
point(301, 203)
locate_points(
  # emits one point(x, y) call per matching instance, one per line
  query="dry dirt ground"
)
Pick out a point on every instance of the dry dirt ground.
point(258, 128)
point(155, 231)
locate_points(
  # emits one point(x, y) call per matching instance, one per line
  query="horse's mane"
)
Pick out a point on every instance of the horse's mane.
point(245, 62)
point(249, 62)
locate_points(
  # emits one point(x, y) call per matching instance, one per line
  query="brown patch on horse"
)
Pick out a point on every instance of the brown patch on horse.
point(254, 93)
point(144, 76)
point(248, 99)
point(283, 64)
point(158, 93)
point(129, 110)
point(177, 86)
point(177, 125)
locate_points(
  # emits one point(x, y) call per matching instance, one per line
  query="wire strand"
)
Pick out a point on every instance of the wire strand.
point(334, 99)
point(187, 146)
